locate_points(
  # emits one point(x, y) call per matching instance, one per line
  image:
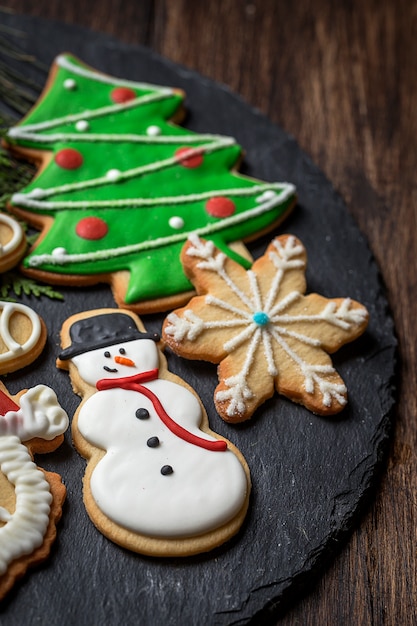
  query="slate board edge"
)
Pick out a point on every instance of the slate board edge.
point(318, 563)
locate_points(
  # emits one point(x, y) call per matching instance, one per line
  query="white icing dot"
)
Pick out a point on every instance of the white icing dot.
point(70, 84)
point(36, 193)
point(267, 195)
point(113, 175)
point(176, 222)
point(82, 125)
point(153, 131)
point(59, 252)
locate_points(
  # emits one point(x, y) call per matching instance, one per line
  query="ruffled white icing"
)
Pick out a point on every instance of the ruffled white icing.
point(40, 415)
point(25, 528)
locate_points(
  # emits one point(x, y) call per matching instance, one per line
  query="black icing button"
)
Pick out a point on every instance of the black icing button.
point(166, 470)
point(153, 442)
point(142, 414)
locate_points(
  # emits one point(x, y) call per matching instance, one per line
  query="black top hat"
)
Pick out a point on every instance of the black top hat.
point(99, 331)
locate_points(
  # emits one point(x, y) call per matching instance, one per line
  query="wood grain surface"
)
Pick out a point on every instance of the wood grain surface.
point(341, 77)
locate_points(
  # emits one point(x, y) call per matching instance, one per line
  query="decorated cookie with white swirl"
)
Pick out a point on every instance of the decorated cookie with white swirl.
point(23, 336)
point(12, 242)
point(31, 499)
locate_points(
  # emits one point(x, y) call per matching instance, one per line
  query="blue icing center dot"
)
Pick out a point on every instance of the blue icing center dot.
point(260, 318)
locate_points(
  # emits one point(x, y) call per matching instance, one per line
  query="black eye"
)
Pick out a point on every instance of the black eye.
point(122, 351)
point(107, 354)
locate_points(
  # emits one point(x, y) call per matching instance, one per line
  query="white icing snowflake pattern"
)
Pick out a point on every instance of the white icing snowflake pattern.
point(262, 329)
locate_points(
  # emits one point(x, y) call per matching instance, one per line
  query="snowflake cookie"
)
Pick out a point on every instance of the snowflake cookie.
point(262, 330)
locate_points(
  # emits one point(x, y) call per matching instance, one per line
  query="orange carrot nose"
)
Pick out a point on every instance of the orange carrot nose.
point(122, 360)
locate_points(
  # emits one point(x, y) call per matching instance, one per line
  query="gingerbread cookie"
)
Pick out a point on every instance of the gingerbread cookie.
point(158, 480)
point(22, 336)
point(12, 242)
point(121, 186)
point(31, 499)
point(262, 330)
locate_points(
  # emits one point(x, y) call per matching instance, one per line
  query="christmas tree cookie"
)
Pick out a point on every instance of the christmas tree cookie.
point(262, 330)
point(158, 480)
point(121, 186)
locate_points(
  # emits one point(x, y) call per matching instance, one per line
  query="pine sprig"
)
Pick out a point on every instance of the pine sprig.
point(14, 175)
point(18, 284)
point(18, 92)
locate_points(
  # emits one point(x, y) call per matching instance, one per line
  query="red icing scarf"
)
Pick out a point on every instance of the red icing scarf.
point(133, 383)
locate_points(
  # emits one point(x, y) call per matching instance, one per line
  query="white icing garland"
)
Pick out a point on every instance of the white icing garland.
point(209, 229)
point(263, 323)
point(281, 193)
point(64, 62)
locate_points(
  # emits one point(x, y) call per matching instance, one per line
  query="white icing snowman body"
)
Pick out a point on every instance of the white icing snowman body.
point(150, 480)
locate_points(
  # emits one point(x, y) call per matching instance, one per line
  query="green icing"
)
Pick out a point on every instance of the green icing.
point(140, 238)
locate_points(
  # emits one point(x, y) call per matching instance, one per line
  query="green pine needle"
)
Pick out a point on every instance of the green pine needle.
point(14, 175)
point(18, 284)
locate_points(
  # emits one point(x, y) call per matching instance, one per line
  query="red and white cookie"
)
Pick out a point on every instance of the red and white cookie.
point(158, 480)
point(30, 498)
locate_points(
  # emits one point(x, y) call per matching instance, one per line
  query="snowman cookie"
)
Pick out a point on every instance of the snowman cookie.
point(158, 481)
point(31, 499)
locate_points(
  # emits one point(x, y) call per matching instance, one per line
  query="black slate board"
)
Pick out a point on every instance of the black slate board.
point(310, 475)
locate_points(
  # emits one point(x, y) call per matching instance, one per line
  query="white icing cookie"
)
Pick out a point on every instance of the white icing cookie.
point(158, 481)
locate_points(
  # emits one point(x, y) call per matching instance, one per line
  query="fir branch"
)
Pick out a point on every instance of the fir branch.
point(11, 282)
point(14, 175)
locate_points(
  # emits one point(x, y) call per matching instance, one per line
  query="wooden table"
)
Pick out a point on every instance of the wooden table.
point(341, 77)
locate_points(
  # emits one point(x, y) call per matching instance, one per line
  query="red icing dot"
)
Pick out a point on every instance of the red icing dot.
point(220, 207)
point(192, 161)
point(122, 94)
point(69, 159)
point(91, 228)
